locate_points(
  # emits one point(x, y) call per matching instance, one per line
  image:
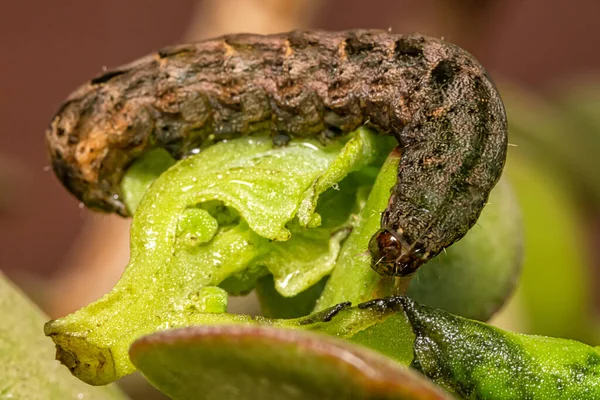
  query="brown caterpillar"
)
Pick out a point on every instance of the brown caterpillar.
point(432, 96)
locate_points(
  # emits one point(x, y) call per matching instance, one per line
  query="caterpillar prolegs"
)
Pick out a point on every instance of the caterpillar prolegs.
point(432, 96)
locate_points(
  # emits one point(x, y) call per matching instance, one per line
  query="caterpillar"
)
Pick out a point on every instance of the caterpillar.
point(433, 97)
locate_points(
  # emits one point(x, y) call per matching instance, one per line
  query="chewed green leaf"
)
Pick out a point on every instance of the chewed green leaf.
point(27, 366)
point(356, 154)
point(300, 263)
point(212, 217)
point(312, 253)
point(260, 184)
point(244, 362)
point(353, 279)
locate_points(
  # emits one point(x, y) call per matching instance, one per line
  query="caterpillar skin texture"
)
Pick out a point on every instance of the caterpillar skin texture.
point(436, 100)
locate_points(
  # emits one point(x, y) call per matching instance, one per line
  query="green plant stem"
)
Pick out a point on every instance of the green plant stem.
point(353, 279)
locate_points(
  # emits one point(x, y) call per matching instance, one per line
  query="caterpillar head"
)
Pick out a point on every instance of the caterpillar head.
point(393, 256)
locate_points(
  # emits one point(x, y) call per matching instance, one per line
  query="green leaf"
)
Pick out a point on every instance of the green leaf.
point(477, 361)
point(176, 252)
point(353, 279)
point(475, 276)
point(27, 366)
point(142, 173)
point(465, 357)
point(245, 362)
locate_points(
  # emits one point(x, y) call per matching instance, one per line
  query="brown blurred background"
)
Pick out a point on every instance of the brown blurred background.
point(65, 256)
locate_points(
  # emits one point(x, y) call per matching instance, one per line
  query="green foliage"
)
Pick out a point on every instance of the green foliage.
point(294, 224)
point(474, 360)
point(28, 370)
point(142, 173)
point(467, 358)
point(165, 283)
point(353, 279)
